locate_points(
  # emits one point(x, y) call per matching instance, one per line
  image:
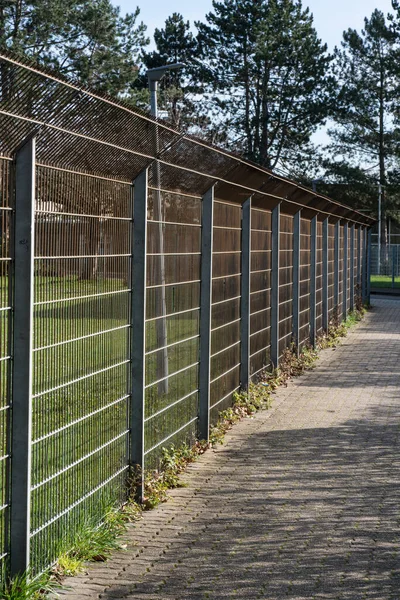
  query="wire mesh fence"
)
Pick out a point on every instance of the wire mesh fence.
point(6, 205)
point(134, 252)
point(385, 266)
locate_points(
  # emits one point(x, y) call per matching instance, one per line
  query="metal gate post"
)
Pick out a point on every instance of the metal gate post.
point(313, 283)
point(205, 313)
point(296, 279)
point(325, 273)
point(336, 268)
point(352, 259)
point(245, 297)
point(345, 267)
point(138, 318)
point(276, 213)
point(21, 433)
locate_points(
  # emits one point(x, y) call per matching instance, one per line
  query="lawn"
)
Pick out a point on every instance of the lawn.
point(384, 281)
point(81, 388)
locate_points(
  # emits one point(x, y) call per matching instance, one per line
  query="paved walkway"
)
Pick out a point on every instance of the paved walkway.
point(302, 502)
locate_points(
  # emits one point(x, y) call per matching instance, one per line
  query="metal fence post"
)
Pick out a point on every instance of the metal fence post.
point(368, 290)
point(138, 317)
point(393, 266)
point(336, 266)
point(245, 296)
point(345, 267)
point(313, 283)
point(296, 279)
point(359, 269)
point(364, 267)
point(22, 357)
point(205, 313)
point(325, 274)
point(276, 212)
point(352, 258)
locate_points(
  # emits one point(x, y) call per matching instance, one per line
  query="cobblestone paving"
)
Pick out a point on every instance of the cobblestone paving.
point(302, 502)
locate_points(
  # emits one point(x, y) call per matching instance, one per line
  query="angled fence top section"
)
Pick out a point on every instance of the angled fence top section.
point(87, 132)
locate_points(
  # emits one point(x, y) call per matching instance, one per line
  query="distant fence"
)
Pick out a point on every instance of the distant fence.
point(386, 263)
point(137, 294)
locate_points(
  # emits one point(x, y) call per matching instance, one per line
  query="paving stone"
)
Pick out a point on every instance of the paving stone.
point(301, 502)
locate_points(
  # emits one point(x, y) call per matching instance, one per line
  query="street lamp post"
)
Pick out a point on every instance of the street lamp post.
point(379, 227)
point(154, 76)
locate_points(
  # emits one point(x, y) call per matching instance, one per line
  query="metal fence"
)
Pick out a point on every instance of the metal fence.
point(386, 265)
point(138, 291)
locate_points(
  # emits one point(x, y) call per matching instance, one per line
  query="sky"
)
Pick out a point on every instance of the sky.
point(331, 17)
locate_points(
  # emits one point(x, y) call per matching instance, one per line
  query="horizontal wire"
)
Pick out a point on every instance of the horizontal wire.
point(259, 352)
point(226, 276)
point(80, 420)
point(173, 254)
point(155, 189)
point(284, 337)
point(82, 337)
point(193, 337)
point(257, 312)
point(269, 289)
point(225, 324)
point(260, 331)
point(262, 368)
point(86, 297)
point(78, 502)
point(226, 300)
point(285, 301)
point(83, 256)
point(225, 397)
point(261, 271)
point(79, 461)
point(170, 436)
point(149, 385)
point(227, 228)
point(159, 412)
point(198, 225)
point(85, 216)
point(225, 373)
point(64, 385)
point(90, 175)
point(181, 312)
point(159, 285)
point(285, 319)
point(225, 349)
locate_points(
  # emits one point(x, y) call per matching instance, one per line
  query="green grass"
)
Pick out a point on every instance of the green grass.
point(57, 322)
point(384, 281)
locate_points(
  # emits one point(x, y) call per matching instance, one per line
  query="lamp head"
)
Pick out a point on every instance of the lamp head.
point(158, 72)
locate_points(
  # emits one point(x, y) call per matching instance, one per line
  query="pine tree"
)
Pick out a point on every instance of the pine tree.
point(364, 133)
point(269, 75)
point(85, 39)
point(178, 89)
